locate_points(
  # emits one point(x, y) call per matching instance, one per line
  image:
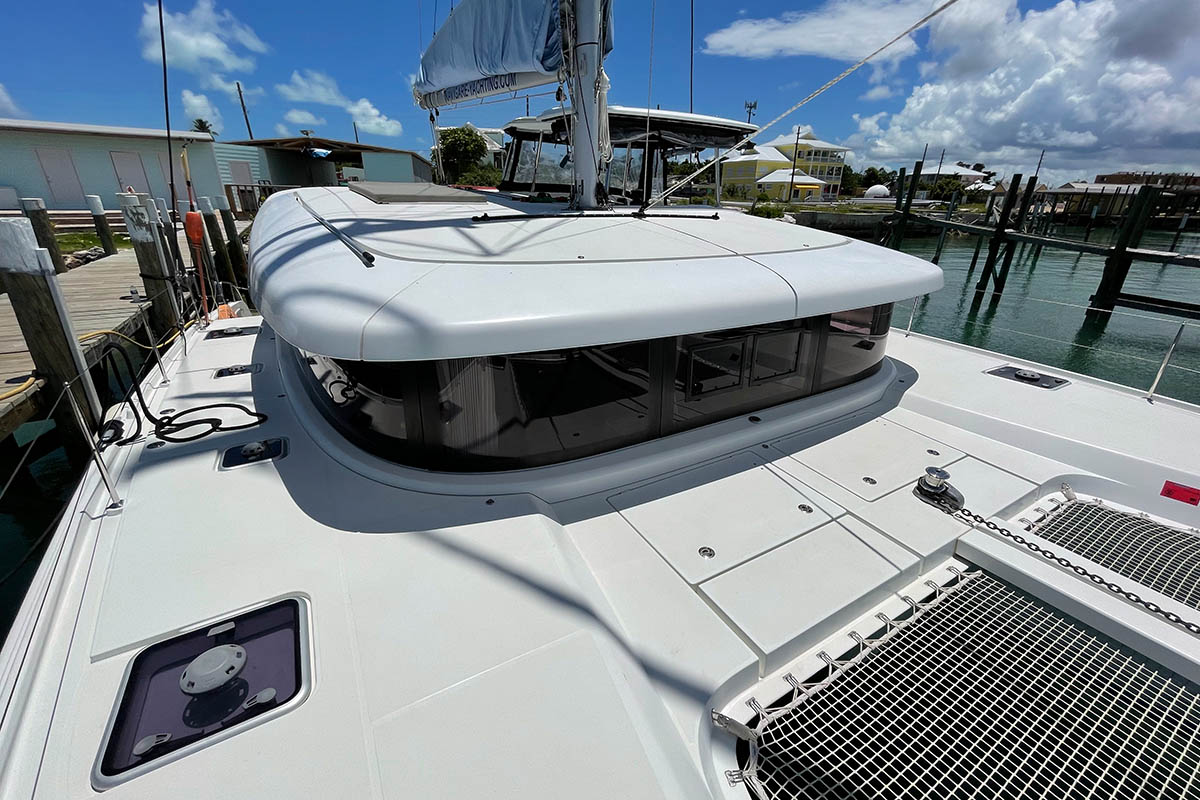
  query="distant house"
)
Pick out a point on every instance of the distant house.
point(803, 185)
point(752, 163)
point(492, 137)
point(964, 175)
point(61, 162)
point(815, 157)
point(253, 168)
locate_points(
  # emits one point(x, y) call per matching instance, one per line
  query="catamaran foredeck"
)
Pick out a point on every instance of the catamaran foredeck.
point(515, 501)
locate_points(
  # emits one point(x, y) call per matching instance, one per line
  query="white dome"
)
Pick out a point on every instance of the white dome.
point(878, 190)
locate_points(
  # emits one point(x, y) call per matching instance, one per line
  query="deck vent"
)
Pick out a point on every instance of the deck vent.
point(254, 452)
point(197, 688)
point(979, 692)
point(229, 333)
point(238, 369)
point(1157, 556)
point(1029, 377)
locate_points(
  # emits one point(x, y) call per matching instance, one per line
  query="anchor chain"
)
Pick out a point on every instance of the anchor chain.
point(967, 515)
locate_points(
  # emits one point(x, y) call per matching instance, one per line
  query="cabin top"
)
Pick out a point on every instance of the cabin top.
point(338, 274)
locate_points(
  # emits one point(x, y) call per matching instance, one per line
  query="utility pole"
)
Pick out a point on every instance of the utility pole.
point(751, 108)
point(795, 155)
point(245, 116)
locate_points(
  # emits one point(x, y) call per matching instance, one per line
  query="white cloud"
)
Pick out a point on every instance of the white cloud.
point(283, 131)
point(1100, 84)
point(198, 105)
point(845, 30)
point(311, 86)
point(202, 40)
point(880, 92)
point(8, 106)
point(371, 120)
point(298, 116)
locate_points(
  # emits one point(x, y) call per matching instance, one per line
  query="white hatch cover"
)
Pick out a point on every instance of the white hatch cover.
point(708, 519)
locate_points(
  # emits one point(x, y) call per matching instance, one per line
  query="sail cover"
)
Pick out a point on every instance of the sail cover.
point(489, 47)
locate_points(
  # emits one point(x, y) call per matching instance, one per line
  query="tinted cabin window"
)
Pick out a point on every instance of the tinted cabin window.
point(855, 345)
point(530, 409)
point(719, 375)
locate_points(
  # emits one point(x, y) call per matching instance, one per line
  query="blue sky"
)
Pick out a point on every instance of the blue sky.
point(1102, 84)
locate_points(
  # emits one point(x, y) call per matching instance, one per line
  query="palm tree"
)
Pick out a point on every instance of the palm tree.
point(204, 126)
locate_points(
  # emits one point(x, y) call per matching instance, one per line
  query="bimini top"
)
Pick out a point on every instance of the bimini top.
point(418, 281)
point(629, 124)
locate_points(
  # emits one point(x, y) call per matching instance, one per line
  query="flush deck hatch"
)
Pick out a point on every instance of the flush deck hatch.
point(170, 706)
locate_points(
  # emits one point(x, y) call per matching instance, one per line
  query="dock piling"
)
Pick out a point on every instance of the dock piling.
point(913, 181)
point(103, 231)
point(937, 254)
point(1179, 232)
point(998, 238)
point(143, 234)
point(34, 209)
point(216, 241)
point(1010, 247)
point(1116, 266)
point(237, 256)
point(29, 277)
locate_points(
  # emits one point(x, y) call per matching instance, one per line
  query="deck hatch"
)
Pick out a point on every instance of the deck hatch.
point(980, 692)
point(173, 701)
point(1158, 556)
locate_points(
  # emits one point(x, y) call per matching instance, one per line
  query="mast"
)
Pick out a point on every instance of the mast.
point(587, 55)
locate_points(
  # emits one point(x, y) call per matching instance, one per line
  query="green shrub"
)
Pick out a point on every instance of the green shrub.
point(767, 210)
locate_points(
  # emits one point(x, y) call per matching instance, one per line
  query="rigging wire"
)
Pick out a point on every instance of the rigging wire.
point(820, 90)
point(646, 169)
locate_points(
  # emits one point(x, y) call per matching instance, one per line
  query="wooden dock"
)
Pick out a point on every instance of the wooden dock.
point(97, 295)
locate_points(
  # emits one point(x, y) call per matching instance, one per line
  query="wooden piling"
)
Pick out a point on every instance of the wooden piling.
point(103, 231)
point(1010, 248)
point(1182, 227)
point(901, 224)
point(237, 256)
point(35, 209)
point(154, 275)
point(937, 254)
point(1116, 266)
point(975, 257)
point(217, 242)
point(989, 264)
point(28, 275)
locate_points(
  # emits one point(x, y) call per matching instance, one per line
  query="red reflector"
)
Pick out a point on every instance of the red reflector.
point(1184, 494)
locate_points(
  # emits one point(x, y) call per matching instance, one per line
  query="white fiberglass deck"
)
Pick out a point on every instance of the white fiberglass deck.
point(559, 632)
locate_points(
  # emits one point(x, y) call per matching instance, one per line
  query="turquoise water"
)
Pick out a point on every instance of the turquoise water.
point(1040, 315)
point(40, 490)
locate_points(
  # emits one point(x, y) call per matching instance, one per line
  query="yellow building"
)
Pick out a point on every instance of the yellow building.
point(814, 157)
point(768, 168)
